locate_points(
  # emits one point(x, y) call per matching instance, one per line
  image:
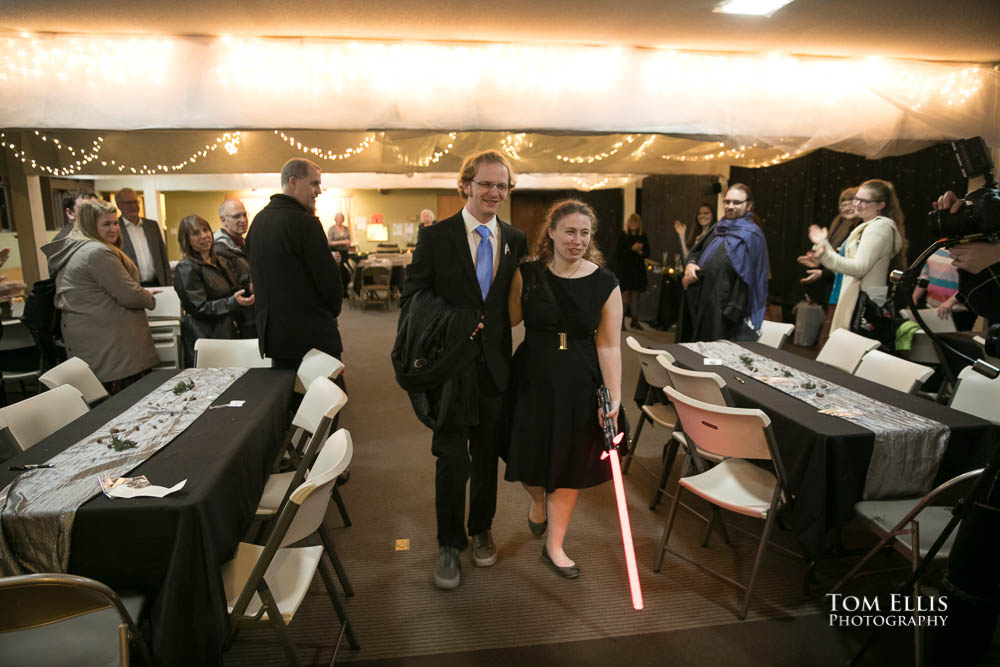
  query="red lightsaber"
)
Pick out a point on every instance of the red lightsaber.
point(611, 442)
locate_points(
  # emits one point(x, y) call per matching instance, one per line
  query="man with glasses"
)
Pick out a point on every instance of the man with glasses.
point(468, 261)
point(230, 245)
point(726, 275)
point(142, 241)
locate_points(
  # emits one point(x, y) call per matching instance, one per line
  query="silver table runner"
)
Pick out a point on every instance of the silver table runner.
point(38, 508)
point(908, 447)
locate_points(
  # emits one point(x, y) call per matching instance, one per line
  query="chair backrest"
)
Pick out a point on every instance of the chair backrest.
point(75, 372)
point(702, 386)
point(730, 432)
point(774, 334)
point(38, 417)
point(316, 364)
point(844, 350)
point(978, 395)
point(322, 399)
point(229, 353)
point(16, 336)
point(935, 323)
point(893, 372)
point(313, 495)
point(167, 306)
point(922, 349)
point(652, 371)
point(376, 274)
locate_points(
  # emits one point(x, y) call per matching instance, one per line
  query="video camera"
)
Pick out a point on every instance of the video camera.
point(979, 217)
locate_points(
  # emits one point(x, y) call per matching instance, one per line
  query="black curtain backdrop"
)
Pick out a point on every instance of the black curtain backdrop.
point(791, 196)
point(665, 198)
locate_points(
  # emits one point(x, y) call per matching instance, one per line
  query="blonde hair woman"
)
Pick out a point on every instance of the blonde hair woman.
point(630, 265)
point(103, 306)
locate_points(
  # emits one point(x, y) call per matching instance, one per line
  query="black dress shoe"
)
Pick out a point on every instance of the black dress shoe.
point(571, 572)
point(538, 528)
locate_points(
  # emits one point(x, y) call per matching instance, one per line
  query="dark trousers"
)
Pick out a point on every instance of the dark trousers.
point(469, 455)
point(292, 363)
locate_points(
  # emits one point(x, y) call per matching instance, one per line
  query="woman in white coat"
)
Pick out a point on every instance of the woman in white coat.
point(874, 246)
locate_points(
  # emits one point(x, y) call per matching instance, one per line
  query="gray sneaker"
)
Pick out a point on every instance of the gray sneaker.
point(484, 549)
point(448, 571)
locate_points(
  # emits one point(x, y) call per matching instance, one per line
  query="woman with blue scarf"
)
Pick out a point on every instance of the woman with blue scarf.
point(726, 275)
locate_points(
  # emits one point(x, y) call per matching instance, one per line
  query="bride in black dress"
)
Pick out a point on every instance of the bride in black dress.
point(572, 312)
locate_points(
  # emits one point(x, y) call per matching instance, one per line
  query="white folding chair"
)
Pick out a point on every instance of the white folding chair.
point(75, 372)
point(652, 410)
point(316, 364)
point(38, 417)
point(63, 619)
point(229, 353)
point(774, 334)
point(266, 584)
point(893, 372)
point(165, 325)
point(734, 484)
point(978, 395)
point(844, 349)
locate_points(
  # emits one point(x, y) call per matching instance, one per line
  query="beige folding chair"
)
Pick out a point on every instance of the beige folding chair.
point(165, 325)
point(774, 334)
point(63, 619)
point(734, 484)
point(76, 373)
point(316, 364)
point(266, 584)
point(38, 417)
point(977, 395)
point(375, 284)
point(229, 353)
point(893, 372)
point(658, 413)
point(911, 526)
point(844, 349)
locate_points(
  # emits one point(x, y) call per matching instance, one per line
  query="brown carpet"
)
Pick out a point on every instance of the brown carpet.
point(519, 604)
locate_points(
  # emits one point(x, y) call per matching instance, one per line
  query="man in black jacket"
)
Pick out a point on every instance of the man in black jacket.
point(295, 279)
point(468, 261)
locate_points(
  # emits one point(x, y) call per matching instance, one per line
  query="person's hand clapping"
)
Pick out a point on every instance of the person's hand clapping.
point(817, 234)
point(812, 275)
point(807, 260)
point(690, 275)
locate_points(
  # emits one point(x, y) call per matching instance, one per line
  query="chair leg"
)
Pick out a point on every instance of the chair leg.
point(667, 529)
point(716, 516)
point(324, 536)
point(635, 437)
point(278, 623)
point(340, 506)
point(918, 635)
point(768, 526)
point(669, 456)
point(338, 605)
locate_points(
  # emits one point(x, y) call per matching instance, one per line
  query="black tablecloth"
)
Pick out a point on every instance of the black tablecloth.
point(825, 457)
point(171, 549)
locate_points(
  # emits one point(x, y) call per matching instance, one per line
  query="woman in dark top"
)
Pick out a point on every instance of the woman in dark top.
point(689, 235)
point(630, 265)
point(207, 287)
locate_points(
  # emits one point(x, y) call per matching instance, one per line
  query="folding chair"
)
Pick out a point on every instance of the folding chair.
point(910, 526)
point(375, 283)
point(316, 364)
point(844, 349)
point(774, 334)
point(20, 357)
point(893, 372)
point(165, 325)
point(76, 373)
point(229, 353)
point(977, 395)
point(266, 584)
point(63, 619)
point(38, 417)
point(658, 413)
point(735, 484)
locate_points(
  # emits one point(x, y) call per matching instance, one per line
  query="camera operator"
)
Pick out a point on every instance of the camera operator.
point(979, 267)
point(972, 583)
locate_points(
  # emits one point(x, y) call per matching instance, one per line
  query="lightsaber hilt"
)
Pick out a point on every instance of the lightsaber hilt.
point(611, 439)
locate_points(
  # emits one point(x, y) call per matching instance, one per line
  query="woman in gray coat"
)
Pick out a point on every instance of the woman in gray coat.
point(103, 306)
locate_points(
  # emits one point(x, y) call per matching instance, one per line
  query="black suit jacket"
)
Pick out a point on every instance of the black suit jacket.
point(443, 263)
point(156, 247)
point(296, 281)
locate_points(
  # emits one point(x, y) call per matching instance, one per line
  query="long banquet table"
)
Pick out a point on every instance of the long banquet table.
point(171, 549)
point(826, 457)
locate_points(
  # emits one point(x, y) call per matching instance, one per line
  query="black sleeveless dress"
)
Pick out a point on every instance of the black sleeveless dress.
point(556, 439)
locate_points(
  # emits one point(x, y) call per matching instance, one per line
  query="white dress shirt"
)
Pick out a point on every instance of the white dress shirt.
point(474, 238)
point(143, 256)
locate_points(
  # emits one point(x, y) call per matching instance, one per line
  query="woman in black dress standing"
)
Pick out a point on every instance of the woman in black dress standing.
point(572, 308)
point(630, 265)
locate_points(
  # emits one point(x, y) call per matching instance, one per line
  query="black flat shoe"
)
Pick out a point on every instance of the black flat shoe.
point(538, 528)
point(571, 572)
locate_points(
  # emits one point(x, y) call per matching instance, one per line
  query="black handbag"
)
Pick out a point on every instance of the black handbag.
point(874, 321)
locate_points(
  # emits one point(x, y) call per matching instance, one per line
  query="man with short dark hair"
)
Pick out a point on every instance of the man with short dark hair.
point(468, 261)
point(142, 241)
point(70, 203)
point(295, 278)
point(229, 244)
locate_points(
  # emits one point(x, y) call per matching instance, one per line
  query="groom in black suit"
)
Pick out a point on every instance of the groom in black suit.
point(468, 261)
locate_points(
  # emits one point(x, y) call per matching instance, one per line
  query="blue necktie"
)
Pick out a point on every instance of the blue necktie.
point(484, 260)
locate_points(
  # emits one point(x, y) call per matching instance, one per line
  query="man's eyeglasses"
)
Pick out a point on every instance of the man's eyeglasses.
point(501, 187)
point(733, 202)
point(859, 200)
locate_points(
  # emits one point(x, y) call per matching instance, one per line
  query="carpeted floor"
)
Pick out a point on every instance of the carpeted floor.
point(518, 611)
